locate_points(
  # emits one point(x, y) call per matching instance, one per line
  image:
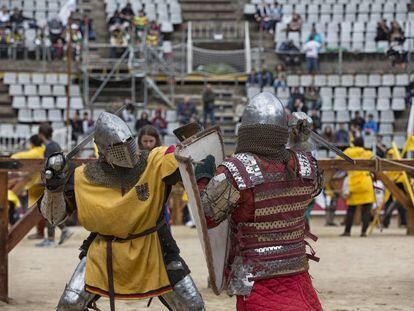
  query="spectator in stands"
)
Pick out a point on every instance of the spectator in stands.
point(141, 22)
point(4, 17)
point(55, 29)
point(142, 121)
point(313, 97)
point(383, 32)
point(299, 106)
point(342, 135)
point(295, 23)
point(4, 43)
point(45, 134)
point(253, 78)
point(127, 13)
point(370, 126)
point(118, 41)
point(87, 26)
point(87, 123)
point(276, 15)
point(159, 122)
point(295, 94)
point(186, 111)
point(77, 127)
point(262, 16)
point(153, 38)
point(266, 77)
point(209, 98)
point(358, 121)
point(128, 114)
point(280, 77)
point(17, 18)
point(290, 53)
point(58, 49)
point(328, 134)
point(396, 33)
point(311, 49)
point(355, 130)
point(316, 120)
point(409, 93)
point(315, 35)
point(115, 22)
point(380, 148)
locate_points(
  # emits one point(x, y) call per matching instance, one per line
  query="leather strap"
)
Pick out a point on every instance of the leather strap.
point(109, 267)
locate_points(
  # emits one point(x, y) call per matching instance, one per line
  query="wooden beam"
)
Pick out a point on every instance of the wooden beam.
point(395, 191)
point(22, 227)
point(4, 225)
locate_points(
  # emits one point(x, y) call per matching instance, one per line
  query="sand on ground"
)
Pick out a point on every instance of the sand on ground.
point(374, 273)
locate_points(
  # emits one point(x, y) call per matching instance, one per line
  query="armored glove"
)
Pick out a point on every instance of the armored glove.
point(56, 172)
point(300, 125)
point(206, 168)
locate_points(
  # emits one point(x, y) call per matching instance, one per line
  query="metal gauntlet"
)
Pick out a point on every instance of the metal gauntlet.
point(53, 207)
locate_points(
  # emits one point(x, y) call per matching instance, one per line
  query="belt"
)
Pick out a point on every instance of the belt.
point(109, 268)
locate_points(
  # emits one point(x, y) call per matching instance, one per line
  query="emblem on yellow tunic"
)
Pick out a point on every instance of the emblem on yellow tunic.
point(142, 192)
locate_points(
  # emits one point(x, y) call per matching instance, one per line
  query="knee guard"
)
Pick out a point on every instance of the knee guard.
point(74, 297)
point(188, 294)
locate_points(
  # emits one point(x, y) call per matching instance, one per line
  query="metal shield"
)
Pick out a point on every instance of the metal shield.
point(215, 242)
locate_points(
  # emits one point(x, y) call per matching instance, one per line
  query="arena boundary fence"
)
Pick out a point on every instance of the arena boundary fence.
point(9, 238)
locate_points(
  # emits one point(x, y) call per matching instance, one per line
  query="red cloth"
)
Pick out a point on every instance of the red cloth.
point(288, 293)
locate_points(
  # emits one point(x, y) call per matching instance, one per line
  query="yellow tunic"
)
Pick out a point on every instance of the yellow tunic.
point(139, 270)
point(35, 190)
point(361, 188)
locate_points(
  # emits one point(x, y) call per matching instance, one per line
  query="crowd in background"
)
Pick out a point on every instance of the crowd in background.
point(22, 37)
point(125, 24)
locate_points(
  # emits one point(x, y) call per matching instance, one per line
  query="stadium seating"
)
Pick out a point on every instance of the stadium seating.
point(168, 13)
point(358, 20)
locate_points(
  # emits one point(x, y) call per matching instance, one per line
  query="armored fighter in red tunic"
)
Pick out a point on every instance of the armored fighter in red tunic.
point(264, 190)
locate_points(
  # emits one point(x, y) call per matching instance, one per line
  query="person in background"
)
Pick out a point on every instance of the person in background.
point(186, 111)
point(51, 147)
point(409, 93)
point(299, 106)
point(290, 53)
point(342, 135)
point(295, 94)
point(316, 120)
point(17, 18)
point(4, 17)
point(370, 126)
point(253, 79)
point(209, 98)
point(280, 77)
point(295, 23)
point(383, 32)
point(311, 49)
point(127, 13)
point(276, 15)
point(128, 114)
point(159, 122)
point(396, 33)
point(380, 148)
point(141, 22)
point(87, 123)
point(267, 78)
point(358, 189)
point(328, 134)
point(315, 35)
point(262, 16)
point(115, 22)
point(77, 127)
point(36, 151)
point(313, 97)
point(142, 121)
point(358, 121)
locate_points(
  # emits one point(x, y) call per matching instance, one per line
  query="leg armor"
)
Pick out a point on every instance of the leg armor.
point(75, 298)
point(185, 296)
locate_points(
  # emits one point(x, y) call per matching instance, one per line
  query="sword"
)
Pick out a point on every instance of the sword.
point(323, 142)
point(71, 154)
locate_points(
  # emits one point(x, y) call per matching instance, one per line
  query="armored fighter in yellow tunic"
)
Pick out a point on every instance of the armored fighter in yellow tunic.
point(131, 253)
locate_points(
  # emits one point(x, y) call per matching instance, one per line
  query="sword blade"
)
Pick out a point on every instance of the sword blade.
point(322, 141)
point(88, 139)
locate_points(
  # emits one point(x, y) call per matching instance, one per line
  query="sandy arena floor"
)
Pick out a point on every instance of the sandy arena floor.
point(374, 273)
